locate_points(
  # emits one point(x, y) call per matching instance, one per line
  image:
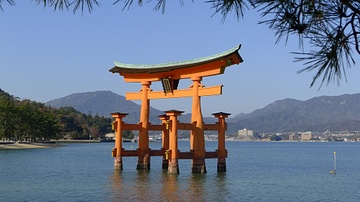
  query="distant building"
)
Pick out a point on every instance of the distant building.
point(294, 137)
point(110, 136)
point(307, 136)
point(245, 133)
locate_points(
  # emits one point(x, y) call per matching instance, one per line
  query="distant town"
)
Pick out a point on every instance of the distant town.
point(250, 135)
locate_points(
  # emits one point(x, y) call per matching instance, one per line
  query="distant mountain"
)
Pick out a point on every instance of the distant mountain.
point(319, 114)
point(103, 103)
point(334, 113)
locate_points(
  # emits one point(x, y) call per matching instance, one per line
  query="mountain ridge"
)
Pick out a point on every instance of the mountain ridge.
point(321, 113)
point(102, 103)
point(334, 113)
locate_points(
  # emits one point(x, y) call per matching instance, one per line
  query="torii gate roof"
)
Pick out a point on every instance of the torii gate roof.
point(205, 66)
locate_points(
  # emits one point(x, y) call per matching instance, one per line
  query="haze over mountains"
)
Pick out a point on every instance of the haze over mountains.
point(334, 113)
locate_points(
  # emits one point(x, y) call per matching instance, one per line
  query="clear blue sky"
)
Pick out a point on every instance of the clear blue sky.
point(47, 55)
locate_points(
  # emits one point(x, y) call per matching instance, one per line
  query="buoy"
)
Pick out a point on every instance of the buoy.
point(334, 170)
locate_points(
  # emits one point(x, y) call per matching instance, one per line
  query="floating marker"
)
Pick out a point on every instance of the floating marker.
point(334, 171)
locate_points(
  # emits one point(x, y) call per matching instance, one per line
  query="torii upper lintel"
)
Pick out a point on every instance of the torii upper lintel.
point(206, 66)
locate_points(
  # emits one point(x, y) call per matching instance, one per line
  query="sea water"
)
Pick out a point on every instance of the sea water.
point(256, 171)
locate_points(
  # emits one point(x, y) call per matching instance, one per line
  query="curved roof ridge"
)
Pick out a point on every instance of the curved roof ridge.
point(121, 67)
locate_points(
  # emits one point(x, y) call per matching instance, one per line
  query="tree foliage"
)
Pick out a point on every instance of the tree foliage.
point(331, 27)
point(34, 121)
point(127, 134)
point(275, 138)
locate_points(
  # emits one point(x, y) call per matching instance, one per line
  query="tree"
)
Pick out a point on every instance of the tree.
point(8, 118)
point(127, 134)
point(331, 27)
point(34, 121)
point(275, 138)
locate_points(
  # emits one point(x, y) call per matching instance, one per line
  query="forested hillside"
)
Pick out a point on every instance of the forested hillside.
point(28, 120)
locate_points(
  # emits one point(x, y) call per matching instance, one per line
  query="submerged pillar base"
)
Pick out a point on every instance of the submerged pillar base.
point(221, 166)
point(165, 164)
point(198, 166)
point(173, 168)
point(144, 160)
point(118, 164)
point(143, 166)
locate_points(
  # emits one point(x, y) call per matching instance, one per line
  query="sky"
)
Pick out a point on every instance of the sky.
point(45, 55)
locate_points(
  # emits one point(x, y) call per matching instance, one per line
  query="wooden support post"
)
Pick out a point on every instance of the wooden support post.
point(165, 140)
point(118, 127)
point(222, 153)
point(197, 140)
point(143, 143)
point(173, 146)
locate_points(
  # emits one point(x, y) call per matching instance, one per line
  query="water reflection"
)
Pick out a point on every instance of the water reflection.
point(158, 185)
point(170, 187)
point(222, 187)
point(117, 185)
point(142, 184)
point(131, 186)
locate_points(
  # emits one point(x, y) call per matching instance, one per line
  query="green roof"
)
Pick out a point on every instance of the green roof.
point(147, 68)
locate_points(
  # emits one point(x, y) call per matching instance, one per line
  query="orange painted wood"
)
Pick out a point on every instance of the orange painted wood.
point(157, 127)
point(152, 95)
point(127, 126)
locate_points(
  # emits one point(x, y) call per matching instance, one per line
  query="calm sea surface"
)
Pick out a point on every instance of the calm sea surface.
point(256, 171)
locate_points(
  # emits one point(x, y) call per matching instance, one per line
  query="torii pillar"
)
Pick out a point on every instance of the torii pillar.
point(143, 150)
point(165, 140)
point(118, 125)
point(222, 153)
point(197, 141)
point(173, 146)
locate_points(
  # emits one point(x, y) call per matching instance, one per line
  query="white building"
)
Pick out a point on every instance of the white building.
point(245, 133)
point(110, 136)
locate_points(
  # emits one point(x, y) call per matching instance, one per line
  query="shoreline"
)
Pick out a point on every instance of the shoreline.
point(40, 145)
point(17, 145)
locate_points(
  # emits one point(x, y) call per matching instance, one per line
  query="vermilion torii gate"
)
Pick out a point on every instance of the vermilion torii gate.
point(170, 74)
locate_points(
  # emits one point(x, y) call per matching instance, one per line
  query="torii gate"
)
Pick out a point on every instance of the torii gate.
point(170, 74)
